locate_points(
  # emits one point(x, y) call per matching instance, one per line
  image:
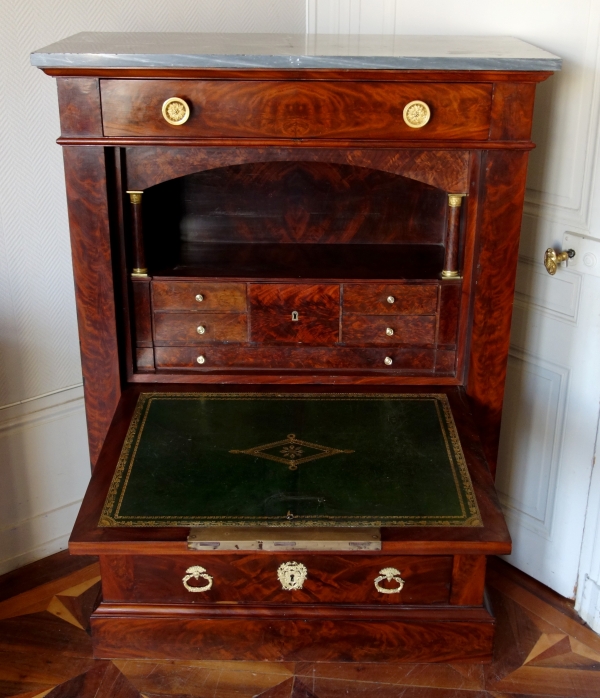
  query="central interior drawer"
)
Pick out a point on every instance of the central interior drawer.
point(255, 578)
point(294, 313)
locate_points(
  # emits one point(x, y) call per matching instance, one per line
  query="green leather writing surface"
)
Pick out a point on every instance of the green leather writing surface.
point(210, 459)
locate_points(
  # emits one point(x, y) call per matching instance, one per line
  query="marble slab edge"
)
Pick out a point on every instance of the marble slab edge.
point(96, 60)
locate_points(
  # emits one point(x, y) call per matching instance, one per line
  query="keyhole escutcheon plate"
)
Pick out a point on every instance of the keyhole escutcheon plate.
point(295, 316)
point(292, 575)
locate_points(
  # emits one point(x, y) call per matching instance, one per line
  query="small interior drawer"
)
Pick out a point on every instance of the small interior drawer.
point(199, 296)
point(260, 578)
point(199, 328)
point(416, 330)
point(295, 109)
point(390, 299)
point(211, 357)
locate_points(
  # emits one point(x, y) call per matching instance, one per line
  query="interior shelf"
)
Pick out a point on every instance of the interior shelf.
point(307, 261)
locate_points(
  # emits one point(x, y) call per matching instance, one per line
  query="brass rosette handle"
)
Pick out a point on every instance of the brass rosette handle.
point(176, 111)
point(416, 114)
point(197, 573)
point(552, 259)
point(389, 574)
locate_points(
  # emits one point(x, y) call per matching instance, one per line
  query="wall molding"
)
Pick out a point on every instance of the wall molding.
point(45, 460)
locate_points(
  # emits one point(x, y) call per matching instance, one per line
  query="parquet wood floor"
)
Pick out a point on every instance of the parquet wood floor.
point(45, 650)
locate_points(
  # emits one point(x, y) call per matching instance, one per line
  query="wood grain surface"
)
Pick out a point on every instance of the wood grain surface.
point(415, 330)
point(512, 111)
point(252, 578)
point(85, 172)
point(79, 106)
point(295, 109)
point(468, 580)
point(450, 295)
point(283, 358)
point(166, 632)
point(372, 299)
point(182, 328)
point(504, 176)
point(441, 168)
point(142, 312)
point(299, 202)
point(216, 297)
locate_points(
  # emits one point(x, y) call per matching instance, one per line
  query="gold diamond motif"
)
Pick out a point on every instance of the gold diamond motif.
point(291, 451)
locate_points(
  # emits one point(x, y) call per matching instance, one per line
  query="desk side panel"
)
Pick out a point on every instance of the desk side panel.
point(85, 173)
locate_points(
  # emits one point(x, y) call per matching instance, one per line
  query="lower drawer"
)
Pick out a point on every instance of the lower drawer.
point(211, 357)
point(277, 578)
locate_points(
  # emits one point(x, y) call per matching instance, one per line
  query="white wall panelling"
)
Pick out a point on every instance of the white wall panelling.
point(43, 460)
point(43, 464)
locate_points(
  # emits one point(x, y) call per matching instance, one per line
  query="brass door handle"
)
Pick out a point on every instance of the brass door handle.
point(553, 259)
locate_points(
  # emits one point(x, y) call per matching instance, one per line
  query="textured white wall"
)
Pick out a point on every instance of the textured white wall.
point(44, 464)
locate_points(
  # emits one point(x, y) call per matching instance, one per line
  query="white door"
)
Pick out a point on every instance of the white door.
point(553, 389)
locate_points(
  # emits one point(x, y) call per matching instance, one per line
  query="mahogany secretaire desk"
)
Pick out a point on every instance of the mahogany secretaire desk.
point(294, 264)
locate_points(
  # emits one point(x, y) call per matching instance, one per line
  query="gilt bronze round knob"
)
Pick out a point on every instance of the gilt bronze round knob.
point(199, 298)
point(201, 329)
point(388, 361)
point(391, 299)
point(200, 359)
point(389, 331)
point(175, 111)
point(416, 114)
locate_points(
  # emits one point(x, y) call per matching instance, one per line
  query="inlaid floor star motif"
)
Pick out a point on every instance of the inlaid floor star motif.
point(290, 451)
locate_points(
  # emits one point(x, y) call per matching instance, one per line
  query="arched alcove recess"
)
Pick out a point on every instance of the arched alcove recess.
point(444, 169)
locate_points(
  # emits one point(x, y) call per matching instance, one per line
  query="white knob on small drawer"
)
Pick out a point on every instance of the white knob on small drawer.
point(388, 361)
point(200, 359)
point(391, 299)
point(201, 329)
point(199, 298)
point(389, 331)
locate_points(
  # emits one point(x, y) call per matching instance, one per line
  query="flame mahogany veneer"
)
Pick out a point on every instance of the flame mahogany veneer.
point(328, 157)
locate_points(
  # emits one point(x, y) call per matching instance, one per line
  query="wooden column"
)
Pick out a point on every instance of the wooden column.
point(137, 235)
point(451, 259)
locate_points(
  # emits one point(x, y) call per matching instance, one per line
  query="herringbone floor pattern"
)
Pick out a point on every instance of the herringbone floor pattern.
point(45, 650)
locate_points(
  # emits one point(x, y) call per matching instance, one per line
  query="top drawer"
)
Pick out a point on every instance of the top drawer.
point(198, 296)
point(295, 109)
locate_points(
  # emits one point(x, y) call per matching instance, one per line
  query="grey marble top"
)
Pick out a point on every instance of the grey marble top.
point(180, 50)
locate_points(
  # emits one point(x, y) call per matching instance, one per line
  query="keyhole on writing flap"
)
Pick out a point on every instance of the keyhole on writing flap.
point(295, 316)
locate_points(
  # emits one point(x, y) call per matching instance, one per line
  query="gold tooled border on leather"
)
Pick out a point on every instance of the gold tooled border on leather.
point(470, 517)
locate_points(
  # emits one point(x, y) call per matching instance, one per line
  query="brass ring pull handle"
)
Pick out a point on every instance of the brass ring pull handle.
point(416, 114)
point(390, 574)
point(552, 259)
point(176, 111)
point(197, 573)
